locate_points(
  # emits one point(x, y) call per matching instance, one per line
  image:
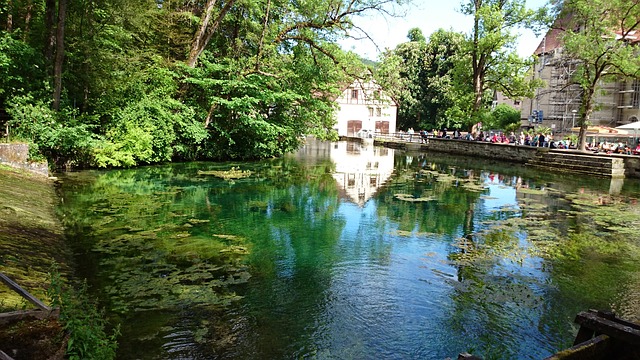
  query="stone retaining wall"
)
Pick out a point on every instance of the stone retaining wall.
point(580, 164)
point(17, 156)
point(514, 153)
point(572, 161)
point(632, 166)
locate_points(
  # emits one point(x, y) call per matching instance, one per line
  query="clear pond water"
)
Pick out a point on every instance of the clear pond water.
point(346, 251)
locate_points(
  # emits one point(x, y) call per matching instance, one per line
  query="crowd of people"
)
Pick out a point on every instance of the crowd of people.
point(614, 148)
point(539, 139)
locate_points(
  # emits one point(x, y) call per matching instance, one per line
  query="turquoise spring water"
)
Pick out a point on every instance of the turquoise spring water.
point(344, 251)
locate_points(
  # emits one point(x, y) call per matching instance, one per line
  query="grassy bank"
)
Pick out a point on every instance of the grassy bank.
point(33, 254)
point(31, 240)
point(31, 237)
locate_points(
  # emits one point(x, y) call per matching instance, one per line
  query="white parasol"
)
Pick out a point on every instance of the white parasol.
point(631, 126)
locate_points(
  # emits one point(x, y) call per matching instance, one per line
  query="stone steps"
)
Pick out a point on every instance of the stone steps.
point(569, 161)
point(579, 164)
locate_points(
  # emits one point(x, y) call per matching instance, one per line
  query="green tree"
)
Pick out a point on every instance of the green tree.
point(443, 52)
point(146, 82)
point(419, 76)
point(275, 79)
point(503, 117)
point(599, 35)
point(491, 48)
point(59, 53)
point(415, 34)
point(400, 73)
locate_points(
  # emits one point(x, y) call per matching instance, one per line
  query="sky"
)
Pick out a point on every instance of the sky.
point(429, 16)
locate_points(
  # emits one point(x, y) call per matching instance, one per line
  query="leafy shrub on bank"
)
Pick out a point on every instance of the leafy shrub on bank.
point(504, 117)
point(64, 143)
point(151, 130)
point(83, 322)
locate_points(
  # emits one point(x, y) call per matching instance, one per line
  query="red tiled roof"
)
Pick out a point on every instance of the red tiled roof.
point(633, 37)
point(553, 39)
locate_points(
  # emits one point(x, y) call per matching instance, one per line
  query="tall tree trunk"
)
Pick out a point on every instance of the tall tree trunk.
point(207, 121)
point(204, 34)
point(59, 59)
point(49, 21)
point(264, 30)
point(198, 41)
point(587, 102)
point(477, 91)
point(27, 21)
point(477, 61)
point(9, 17)
point(86, 32)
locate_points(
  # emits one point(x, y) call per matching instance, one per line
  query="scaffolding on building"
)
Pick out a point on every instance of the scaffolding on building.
point(561, 98)
point(616, 102)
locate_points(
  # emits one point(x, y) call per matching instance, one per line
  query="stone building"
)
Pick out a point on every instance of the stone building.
point(500, 98)
point(557, 105)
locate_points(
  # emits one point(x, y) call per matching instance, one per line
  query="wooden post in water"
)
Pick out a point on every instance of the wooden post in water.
point(602, 336)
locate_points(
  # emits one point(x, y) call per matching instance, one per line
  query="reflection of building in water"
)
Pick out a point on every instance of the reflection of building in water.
point(361, 169)
point(313, 151)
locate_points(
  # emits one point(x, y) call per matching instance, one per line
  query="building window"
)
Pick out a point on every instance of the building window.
point(370, 112)
point(382, 127)
point(378, 112)
point(354, 94)
point(635, 95)
point(376, 94)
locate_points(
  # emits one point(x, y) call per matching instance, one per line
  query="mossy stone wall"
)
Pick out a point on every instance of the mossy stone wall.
point(17, 156)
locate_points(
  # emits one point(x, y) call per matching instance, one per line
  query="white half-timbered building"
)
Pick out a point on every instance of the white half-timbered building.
point(365, 109)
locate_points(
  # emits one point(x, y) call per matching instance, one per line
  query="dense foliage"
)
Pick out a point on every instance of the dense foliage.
point(503, 117)
point(491, 46)
point(82, 321)
point(447, 80)
point(419, 75)
point(122, 83)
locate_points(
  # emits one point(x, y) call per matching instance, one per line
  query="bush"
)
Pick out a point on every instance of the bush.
point(504, 117)
point(83, 322)
point(63, 144)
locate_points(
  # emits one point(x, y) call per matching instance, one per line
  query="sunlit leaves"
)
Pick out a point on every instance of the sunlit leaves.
point(490, 45)
point(418, 75)
point(593, 36)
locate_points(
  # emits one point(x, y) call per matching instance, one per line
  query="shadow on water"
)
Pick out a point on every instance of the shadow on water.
point(352, 251)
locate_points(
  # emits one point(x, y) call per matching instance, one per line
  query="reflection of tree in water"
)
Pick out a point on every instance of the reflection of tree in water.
point(592, 263)
point(441, 198)
point(294, 236)
point(164, 238)
point(524, 270)
point(499, 279)
point(434, 198)
point(172, 230)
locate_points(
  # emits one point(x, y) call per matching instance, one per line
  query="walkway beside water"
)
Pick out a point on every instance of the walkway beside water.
point(565, 160)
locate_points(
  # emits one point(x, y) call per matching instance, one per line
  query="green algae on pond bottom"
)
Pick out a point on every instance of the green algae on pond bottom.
point(486, 265)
